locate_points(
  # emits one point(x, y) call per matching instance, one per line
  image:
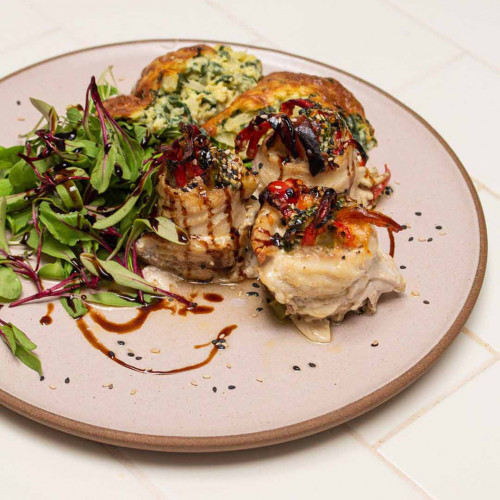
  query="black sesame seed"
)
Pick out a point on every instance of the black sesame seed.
point(410, 238)
point(214, 389)
point(255, 285)
point(131, 354)
point(418, 214)
point(42, 378)
point(426, 302)
point(429, 239)
point(312, 365)
point(253, 294)
point(259, 309)
point(343, 257)
point(138, 358)
point(111, 354)
point(404, 226)
point(439, 227)
point(120, 342)
point(231, 387)
point(402, 267)
point(18, 103)
point(66, 380)
point(220, 346)
point(296, 368)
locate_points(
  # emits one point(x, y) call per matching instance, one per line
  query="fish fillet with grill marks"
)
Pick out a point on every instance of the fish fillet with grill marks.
point(208, 196)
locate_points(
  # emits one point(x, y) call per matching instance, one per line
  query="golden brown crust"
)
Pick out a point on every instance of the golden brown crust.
point(124, 106)
point(281, 86)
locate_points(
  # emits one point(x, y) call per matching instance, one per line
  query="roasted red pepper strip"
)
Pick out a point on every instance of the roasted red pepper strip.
point(287, 106)
point(310, 235)
point(360, 214)
point(379, 188)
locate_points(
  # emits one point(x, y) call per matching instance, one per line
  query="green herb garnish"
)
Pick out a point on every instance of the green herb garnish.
point(77, 195)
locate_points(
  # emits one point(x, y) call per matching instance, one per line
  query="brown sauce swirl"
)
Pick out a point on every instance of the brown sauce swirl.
point(97, 344)
point(132, 324)
point(213, 297)
point(47, 319)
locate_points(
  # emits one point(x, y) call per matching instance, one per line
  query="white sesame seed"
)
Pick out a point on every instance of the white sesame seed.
point(133, 392)
point(422, 239)
point(52, 387)
point(259, 380)
point(21, 119)
point(254, 315)
point(155, 351)
point(415, 293)
point(442, 234)
point(229, 365)
point(194, 383)
point(207, 376)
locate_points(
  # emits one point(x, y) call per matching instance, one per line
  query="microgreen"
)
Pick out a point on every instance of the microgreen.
point(74, 198)
point(20, 345)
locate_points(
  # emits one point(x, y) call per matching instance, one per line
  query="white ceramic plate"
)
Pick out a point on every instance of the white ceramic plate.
point(271, 401)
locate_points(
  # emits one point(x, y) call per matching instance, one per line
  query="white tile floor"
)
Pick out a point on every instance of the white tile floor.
point(438, 439)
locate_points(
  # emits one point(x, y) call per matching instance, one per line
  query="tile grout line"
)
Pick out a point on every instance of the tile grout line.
point(40, 36)
point(440, 35)
point(241, 23)
point(480, 185)
point(429, 72)
point(386, 461)
point(476, 338)
point(426, 408)
point(135, 471)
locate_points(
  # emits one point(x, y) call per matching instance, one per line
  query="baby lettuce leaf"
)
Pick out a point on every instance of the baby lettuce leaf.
point(50, 246)
point(3, 219)
point(74, 307)
point(105, 164)
point(70, 196)
point(19, 220)
point(119, 274)
point(113, 299)
point(10, 285)
point(21, 346)
point(22, 177)
point(68, 228)
point(8, 156)
point(162, 226)
point(5, 187)
point(53, 271)
point(48, 112)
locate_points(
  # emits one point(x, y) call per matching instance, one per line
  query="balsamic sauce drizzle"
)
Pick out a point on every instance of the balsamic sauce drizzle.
point(97, 344)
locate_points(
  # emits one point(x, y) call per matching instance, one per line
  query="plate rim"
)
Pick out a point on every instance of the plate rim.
point(300, 429)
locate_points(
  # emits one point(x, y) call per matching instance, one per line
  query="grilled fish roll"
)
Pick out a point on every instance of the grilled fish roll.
point(314, 144)
point(190, 84)
point(276, 88)
point(319, 257)
point(207, 192)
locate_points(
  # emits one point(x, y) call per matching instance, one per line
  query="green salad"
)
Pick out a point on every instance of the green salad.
point(74, 198)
